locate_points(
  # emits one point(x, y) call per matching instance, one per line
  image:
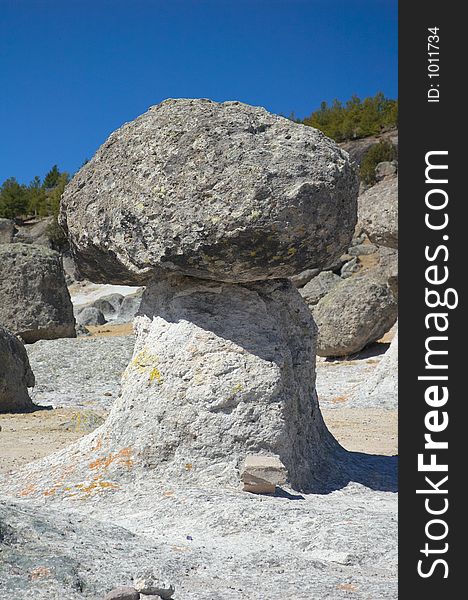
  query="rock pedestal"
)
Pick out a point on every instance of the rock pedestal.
point(219, 371)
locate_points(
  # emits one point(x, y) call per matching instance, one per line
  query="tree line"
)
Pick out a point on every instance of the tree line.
point(38, 198)
point(355, 118)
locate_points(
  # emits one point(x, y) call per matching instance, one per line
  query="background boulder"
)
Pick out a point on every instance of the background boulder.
point(381, 389)
point(90, 315)
point(7, 230)
point(15, 374)
point(34, 299)
point(378, 212)
point(319, 286)
point(356, 312)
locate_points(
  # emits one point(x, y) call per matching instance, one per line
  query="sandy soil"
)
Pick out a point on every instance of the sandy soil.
point(27, 437)
point(109, 330)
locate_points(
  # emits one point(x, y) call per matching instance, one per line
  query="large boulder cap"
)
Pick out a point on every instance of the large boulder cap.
point(224, 191)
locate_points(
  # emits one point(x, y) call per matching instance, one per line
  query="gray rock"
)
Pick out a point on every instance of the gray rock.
point(261, 474)
point(72, 273)
point(259, 547)
point(109, 305)
point(319, 286)
point(35, 232)
point(225, 191)
point(357, 149)
point(125, 592)
point(7, 229)
point(34, 299)
point(153, 585)
point(378, 213)
point(350, 268)
point(301, 279)
point(81, 330)
point(359, 238)
point(129, 307)
point(381, 388)
point(388, 268)
point(386, 169)
point(362, 250)
point(354, 314)
point(90, 315)
point(15, 374)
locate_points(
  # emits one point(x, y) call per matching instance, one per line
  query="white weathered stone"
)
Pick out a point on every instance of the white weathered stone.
point(219, 371)
point(381, 389)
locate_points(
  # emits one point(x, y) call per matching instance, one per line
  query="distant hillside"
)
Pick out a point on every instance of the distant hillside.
point(356, 118)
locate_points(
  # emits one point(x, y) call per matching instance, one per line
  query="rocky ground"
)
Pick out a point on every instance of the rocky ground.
point(85, 517)
point(211, 544)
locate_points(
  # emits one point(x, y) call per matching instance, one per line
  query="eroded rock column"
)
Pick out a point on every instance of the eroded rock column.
point(211, 206)
point(220, 370)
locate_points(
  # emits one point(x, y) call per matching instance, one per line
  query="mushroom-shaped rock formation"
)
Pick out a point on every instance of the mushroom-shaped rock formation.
point(221, 369)
point(225, 191)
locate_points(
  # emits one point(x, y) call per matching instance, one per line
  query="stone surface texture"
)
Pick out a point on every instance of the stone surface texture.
point(15, 374)
point(378, 213)
point(7, 229)
point(319, 286)
point(381, 388)
point(34, 299)
point(225, 191)
point(356, 312)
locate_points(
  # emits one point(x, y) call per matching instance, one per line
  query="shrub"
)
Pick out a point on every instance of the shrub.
point(383, 151)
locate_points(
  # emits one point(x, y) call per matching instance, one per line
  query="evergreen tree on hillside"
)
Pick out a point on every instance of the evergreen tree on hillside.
point(37, 197)
point(13, 199)
point(52, 178)
point(356, 119)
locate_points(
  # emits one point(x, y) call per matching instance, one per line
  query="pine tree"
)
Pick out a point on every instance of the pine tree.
point(37, 198)
point(13, 199)
point(52, 178)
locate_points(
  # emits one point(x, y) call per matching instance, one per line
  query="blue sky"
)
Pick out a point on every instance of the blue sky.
point(72, 71)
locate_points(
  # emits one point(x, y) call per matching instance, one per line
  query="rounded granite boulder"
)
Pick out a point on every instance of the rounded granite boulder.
point(227, 192)
point(34, 300)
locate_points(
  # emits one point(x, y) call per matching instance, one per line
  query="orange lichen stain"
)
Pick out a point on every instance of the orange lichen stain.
point(340, 399)
point(168, 493)
point(347, 587)
point(28, 490)
point(66, 472)
point(188, 466)
point(40, 573)
point(51, 491)
point(96, 486)
point(98, 445)
point(123, 457)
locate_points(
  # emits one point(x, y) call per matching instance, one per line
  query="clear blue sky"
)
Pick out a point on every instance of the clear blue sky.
point(72, 71)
